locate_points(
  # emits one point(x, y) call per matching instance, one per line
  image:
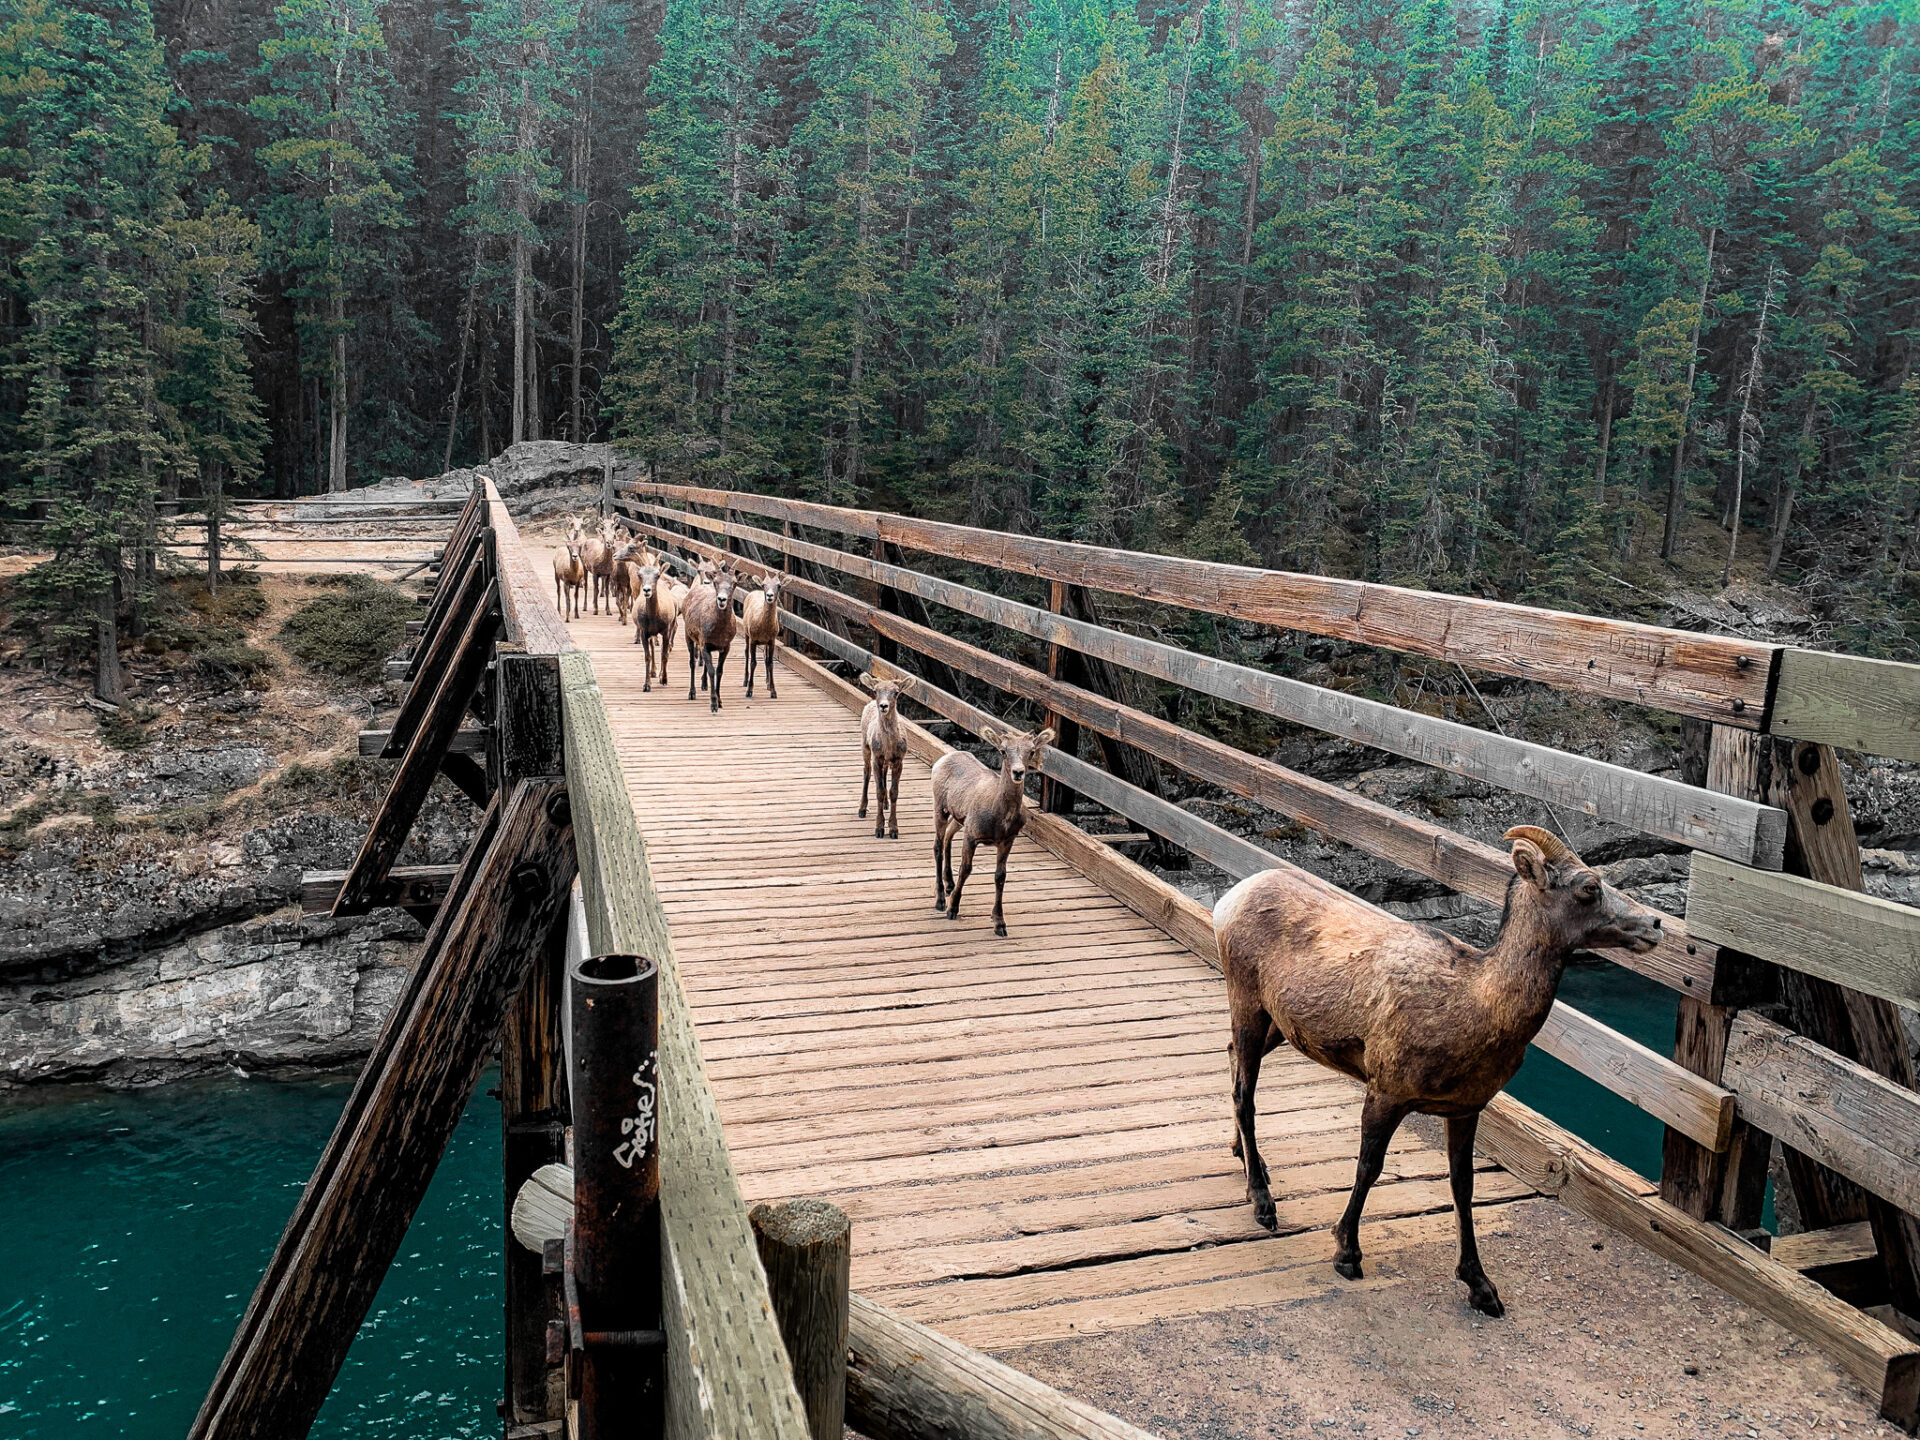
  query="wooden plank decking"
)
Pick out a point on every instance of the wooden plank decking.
point(1030, 1134)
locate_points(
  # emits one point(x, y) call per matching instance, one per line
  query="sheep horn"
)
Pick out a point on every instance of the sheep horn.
point(1551, 845)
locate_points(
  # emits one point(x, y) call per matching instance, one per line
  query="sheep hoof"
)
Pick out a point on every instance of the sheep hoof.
point(894, 834)
point(1348, 1268)
point(863, 812)
point(953, 912)
point(879, 832)
point(1487, 1304)
point(1000, 928)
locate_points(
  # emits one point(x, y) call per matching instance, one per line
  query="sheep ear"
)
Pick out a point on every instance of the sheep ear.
point(1531, 864)
point(868, 681)
point(1045, 737)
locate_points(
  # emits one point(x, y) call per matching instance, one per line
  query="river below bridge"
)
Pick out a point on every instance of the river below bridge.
point(138, 1222)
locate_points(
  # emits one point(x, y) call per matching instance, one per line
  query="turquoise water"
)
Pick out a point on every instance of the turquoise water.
point(1640, 1009)
point(137, 1224)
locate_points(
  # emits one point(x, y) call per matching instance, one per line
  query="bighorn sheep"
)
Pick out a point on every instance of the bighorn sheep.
point(569, 577)
point(710, 623)
point(760, 619)
point(988, 806)
point(1427, 1022)
point(596, 553)
point(882, 750)
point(656, 606)
point(621, 583)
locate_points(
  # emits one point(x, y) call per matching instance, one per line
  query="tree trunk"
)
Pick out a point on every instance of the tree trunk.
point(1606, 442)
point(1783, 498)
point(519, 430)
point(582, 178)
point(1744, 427)
point(337, 450)
point(216, 498)
point(466, 343)
point(107, 684)
point(1668, 538)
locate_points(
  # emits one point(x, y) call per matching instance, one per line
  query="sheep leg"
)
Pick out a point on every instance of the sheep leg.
point(772, 694)
point(1000, 887)
point(1247, 1051)
point(866, 780)
point(942, 856)
point(690, 664)
point(1379, 1118)
point(893, 804)
point(752, 648)
point(1480, 1292)
point(967, 847)
point(719, 669)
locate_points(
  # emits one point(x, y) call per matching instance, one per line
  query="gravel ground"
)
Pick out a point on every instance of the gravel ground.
point(1598, 1340)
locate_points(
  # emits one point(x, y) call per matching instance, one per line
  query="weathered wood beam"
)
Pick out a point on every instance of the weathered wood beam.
point(351, 1218)
point(1854, 940)
point(1839, 1112)
point(1849, 702)
point(1714, 677)
point(908, 1382)
point(437, 652)
point(1740, 828)
point(409, 886)
point(468, 740)
point(526, 595)
point(407, 792)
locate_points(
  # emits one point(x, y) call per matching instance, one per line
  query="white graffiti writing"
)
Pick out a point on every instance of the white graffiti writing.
point(640, 1127)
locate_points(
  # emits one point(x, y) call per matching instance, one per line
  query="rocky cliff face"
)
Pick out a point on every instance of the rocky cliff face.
point(149, 891)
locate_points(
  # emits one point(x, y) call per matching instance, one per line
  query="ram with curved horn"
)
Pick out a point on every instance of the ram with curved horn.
point(1426, 1022)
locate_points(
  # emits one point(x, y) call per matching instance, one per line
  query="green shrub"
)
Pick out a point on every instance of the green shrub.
point(350, 631)
point(233, 661)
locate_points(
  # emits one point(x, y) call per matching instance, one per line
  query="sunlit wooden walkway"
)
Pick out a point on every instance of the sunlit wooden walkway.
point(1030, 1134)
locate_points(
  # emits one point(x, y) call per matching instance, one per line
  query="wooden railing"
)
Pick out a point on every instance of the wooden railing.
point(1831, 963)
point(494, 674)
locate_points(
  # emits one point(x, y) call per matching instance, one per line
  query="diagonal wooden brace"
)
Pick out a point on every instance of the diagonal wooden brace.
point(400, 806)
point(354, 1213)
point(437, 652)
point(453, 562)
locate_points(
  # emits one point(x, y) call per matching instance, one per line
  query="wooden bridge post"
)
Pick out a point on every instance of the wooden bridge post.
point(1804, 780)
point(528, 741)
point(1136, 767)
point(806, 1247)
point(1056, 798)
point(1729, 1187)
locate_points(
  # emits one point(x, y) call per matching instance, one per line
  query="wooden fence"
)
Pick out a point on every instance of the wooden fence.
point(1775, 931)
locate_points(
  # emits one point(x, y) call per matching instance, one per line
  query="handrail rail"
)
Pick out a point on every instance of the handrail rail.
point(1739, 829)
point(1455, 860)
point(1711, 677)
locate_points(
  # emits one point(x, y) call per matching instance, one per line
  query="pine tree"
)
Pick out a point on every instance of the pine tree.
point(327, 107)
point(94, 184)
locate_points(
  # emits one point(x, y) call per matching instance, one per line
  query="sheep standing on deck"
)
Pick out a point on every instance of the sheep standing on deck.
point(569, 577)
point(596, 554)
point(760, 619)
point(988, 806)
point(656, 606)
point(710, 626)
point(623, 571)
point(1427, 1022)
point(882, 751)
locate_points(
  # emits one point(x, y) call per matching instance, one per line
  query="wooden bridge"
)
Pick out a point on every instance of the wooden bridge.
point(1030, 1133)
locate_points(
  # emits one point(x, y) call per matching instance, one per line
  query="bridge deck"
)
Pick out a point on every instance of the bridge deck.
point(1031, 1133)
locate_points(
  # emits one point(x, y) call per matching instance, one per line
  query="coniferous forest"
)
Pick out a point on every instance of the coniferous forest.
point(1514, 297)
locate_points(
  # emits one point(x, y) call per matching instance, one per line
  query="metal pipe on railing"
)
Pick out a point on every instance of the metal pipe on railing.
point(613, 1255)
